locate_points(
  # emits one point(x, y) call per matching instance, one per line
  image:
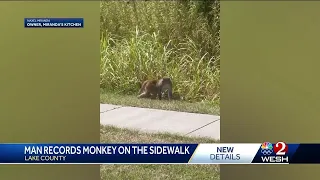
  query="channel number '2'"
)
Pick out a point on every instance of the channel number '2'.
point(281, 148)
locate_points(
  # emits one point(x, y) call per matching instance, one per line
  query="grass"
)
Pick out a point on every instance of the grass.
point(182, 106)
point(109, 134)
point(148, 40)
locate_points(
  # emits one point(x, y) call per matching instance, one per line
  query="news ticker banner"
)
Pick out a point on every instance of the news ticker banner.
point(237, 153)
point(53, 22)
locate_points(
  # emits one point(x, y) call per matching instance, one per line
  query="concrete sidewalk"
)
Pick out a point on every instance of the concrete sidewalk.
point(154, 120)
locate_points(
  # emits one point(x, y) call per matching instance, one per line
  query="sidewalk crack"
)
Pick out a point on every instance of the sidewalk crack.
point(110, 109)
point(202, 126)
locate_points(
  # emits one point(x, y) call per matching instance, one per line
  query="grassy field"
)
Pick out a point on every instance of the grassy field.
point(148, 40)
point(182, 106)
point(110, 134)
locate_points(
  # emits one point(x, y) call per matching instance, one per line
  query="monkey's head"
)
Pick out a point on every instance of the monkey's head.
point(166, 80)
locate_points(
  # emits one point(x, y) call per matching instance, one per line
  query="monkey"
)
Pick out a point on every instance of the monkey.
point(148, 89)
point(155, 88)
point(163, 85)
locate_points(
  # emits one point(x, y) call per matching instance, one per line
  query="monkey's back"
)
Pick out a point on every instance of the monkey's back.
point(151, 86)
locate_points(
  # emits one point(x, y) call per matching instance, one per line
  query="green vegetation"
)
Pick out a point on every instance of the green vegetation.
point(149, 39)
point(182, 106)
point(109, 134)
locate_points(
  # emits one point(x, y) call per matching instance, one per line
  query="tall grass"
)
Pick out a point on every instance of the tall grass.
point(147, 40)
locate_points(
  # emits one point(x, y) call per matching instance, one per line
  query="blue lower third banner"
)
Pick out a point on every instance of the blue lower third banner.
point(53, 22)
point(237, 153)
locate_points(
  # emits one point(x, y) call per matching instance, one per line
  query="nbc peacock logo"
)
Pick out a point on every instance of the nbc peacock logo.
point(266, 148)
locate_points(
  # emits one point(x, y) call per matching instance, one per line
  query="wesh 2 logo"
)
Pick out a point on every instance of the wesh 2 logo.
point(274, 153)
